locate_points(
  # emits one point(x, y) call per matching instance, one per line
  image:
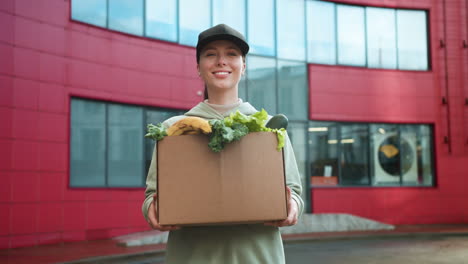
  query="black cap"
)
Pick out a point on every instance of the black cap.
point(221, 32)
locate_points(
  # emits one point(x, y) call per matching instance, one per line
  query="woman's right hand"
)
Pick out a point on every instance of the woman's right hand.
point(153, 220)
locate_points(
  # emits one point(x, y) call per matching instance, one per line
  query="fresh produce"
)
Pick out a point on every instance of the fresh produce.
point(189, 125)
point(227, 130)
point(156, 132)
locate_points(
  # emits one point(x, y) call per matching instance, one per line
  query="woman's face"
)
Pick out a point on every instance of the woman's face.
point(221, 65)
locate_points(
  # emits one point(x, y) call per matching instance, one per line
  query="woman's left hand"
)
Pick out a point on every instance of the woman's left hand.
point(292, 213)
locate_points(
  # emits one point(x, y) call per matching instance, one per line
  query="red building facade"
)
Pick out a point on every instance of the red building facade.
point(46, 59)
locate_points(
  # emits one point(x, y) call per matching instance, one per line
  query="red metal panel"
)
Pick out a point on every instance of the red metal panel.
point(52, 98)
point(52, 68)
point(73, 236)
point(50, 218)
point(5, 188)
point(25, 124)
point(6, 63)
point(23, 218)
point(49, 238)
point(30, 9)
point(23, 241)
point(24, 186)
point(105, 215)
point(6, 84)
point(6, 146)
point(51, 186)
point(75, 215)
point(7, 5)
point(53, 156)
point(25, 93)
point(6, 115)
point(7, 30)
point(51, 127)
point(5, 219)
point(25, 155)
point(56, 12)
point(52, 39)
point(26, 63)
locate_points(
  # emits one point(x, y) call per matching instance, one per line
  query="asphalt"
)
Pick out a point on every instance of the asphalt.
point(112, 251)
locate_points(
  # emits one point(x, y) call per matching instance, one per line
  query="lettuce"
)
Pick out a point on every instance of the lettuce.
point(156, 132)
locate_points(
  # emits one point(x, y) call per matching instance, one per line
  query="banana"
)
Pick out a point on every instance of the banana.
point(189, 125)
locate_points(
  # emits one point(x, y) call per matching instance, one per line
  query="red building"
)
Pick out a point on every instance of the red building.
point(48, 59)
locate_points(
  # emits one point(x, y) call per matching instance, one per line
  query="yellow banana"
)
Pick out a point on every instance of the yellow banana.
point(189, 124)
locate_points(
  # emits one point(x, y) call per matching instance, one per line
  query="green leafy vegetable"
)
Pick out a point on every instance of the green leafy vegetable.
point(156, 132)
point(237, 125)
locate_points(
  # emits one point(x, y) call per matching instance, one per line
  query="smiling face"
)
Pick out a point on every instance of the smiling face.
point(221, 65)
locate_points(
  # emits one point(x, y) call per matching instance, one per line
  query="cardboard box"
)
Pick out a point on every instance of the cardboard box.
point(244, 183)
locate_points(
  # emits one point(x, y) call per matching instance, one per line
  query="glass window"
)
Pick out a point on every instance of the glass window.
point(354, 160)
point(412, 40)
point(293, 90)
point(125, 145)
point(351, 154)
point(381, 38)
point(90, 11)
point(298, 136)
point(194, 17)
point(231, 13)
point(261, 83)
point(290, 29)
point(321, 35)
point(351, 35)
point(88, 143)
point(161, 19)
point(261, 33)
point(126, 16)
point(323, 153)
point(108, 148)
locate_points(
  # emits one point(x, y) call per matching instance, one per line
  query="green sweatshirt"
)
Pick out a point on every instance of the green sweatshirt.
point(248, 243)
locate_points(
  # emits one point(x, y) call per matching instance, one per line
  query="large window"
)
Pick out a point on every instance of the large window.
point(161, 19)
point(261, 83)
point(361, 154)
point(194, 17)
point(90, 11)
point(367, 36)
point(290, 22)
point(230, 12)
point(107, 144)
point(126, 16)
point(261, 27)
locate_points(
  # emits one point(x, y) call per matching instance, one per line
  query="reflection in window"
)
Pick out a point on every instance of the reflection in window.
point(377, 154)
point(230, 12)
point(354, 139)
point(351, 35)
point(381, 38)
point(261, 83)
point(88, 143)
point(107, 145)
point(90, 11)
point(290, 23)
point(412, 40)
point(125, 146)
point(321, 40)
point(298, 136)
point(261, 33)
point(194, 17)
point(292, 89)
point(161, 19)
point(126, 16)
point(323, 153)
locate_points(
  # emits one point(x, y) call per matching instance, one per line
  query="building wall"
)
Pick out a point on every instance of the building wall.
point(46, 59)
point(371, 95)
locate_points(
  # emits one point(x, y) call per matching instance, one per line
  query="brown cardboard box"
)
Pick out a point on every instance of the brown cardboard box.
point(243, 183)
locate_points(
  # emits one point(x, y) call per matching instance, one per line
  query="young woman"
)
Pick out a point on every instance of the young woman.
point(221, 53)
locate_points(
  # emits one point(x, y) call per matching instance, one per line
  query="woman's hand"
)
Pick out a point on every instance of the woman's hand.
point(292, 213)
point(153, 220)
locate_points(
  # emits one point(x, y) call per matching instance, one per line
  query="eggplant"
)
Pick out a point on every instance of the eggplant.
point(278, 121)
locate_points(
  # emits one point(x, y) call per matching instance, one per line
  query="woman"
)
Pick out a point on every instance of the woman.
point(221, 53)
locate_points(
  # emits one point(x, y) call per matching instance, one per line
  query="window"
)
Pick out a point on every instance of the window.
point(90, 11)
point(351, 35)
point(321, 40)
point(412, 40)
point(194, 17)
point(381, 38)
point(230, 12)
point(293, 90)
point(290, 28)
point(261, 33)
point(126, 16)
point(360, 154)
point(107, 144)
point(161, 19)
point(371, 37)
point(261, 83)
